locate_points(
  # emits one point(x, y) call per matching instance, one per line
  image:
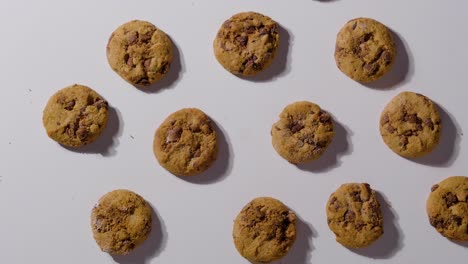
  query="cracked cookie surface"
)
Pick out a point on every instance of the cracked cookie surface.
point(246, 43)
point(264, 230)
point(410, 125)
point(365, 50)
point(139, 52)
point(354, 215)
point(303, 132)
point(185, 143)
point(75, 116)
point(120, 221)
point(447, 208)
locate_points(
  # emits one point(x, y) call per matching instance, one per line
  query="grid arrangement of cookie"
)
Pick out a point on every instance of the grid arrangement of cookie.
point(186, 144)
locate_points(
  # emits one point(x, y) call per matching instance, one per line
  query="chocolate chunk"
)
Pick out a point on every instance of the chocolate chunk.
point(69, 106)
point(82, 132)
point(385, 119)
point(386, 57)
point(173, 134)
point(354, 26)
point(450, 199)
point(419, 127)
point(249, 30)
point(349, 216)
point(434, 187)
point(100, 104)
point(263, 31)
point(296, 126)
point(242, 40)
point(437, 223)
point(130, 62)
point(324, 117)
point(408, 133)
point(365, 38)
point(132, 37)
point(197, 153)
point(359, 225)
point(404, 141)
point(251, 62)
point(371, 68)
point(429, 124)
point(413, 119)
point(147, 64)
point(147, 36)
point(390, 129)
point(456, 219)
point(356, 196)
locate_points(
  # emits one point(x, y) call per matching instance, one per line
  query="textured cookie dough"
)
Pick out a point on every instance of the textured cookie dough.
point(185, 143)
point(247, 43)
point(75, 116)
point(354, 215)
point(410, 125)
point(365, 50)
point(264, 230)
point(139, 52)
point(447, 208)
point(120, 222)
point(303, 132)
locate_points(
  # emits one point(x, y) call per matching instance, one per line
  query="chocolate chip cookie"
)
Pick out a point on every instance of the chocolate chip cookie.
point(365, 50)
point(75, 116)
point(265, 230)
point(247, 43)
point(303, 132)
point(447, 208)
point(410, 125)
point(185, 143)
point(354, 215)
point(120, 222)
point(139, 52)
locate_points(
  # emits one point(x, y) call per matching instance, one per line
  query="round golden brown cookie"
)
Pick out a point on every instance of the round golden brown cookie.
point(303, 132)
point(265, 230)
point(365, 50)
point(120, 222)
point(354, 215)
point(410, 125)
point(185, 143)
point(447, 208)
point(246, 43)
point(139, 52)
point(75, 116)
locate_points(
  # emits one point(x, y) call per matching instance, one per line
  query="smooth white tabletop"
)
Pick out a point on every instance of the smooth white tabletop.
point(47, 191)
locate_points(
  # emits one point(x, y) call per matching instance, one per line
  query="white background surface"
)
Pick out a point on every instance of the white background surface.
point(47, 191)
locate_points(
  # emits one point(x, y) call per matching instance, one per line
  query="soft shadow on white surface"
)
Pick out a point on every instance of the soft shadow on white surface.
point(176, 71)
point(301, 250)
point(461, 244)
point(391, 241)
point(281, 65)
point(151, 248)
point(108, 141)
point(339, 147)
point(402, 70)
point(445, 154)
point(221, 168)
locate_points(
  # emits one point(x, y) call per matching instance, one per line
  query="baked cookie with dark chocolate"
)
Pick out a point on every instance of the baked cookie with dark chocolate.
point(265, 230)
point(140, 53)
point(354, 215)
point(120, 222)
point(447, 208)
point(75, 116)
point(185, 143)
point(365, 50)
point(247, 43)
point(303, 132)
point(410, 125)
